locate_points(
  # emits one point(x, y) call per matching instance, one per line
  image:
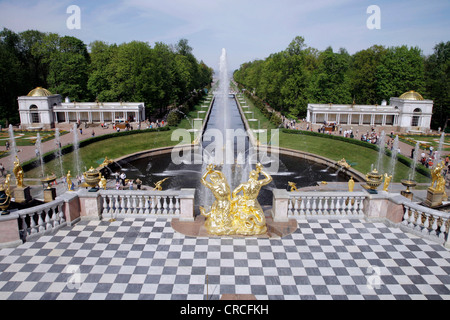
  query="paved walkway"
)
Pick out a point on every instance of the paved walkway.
point(147, 259)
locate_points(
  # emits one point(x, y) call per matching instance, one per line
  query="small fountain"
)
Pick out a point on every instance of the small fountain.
point(440, 147)
point(410, 183)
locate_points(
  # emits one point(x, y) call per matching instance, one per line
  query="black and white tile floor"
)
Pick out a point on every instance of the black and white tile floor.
point(146, 259)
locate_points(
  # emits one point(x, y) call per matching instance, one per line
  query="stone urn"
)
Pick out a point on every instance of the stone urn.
point(49, 180)
point(374, 179)
point(5, 201)
point(408, 184)
point(92, 177)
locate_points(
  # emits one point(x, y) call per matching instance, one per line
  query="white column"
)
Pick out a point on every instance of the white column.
point(383, 122)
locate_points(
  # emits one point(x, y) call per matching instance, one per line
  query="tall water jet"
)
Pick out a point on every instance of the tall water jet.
point(440, 148)
point(39, 153)
point(76, 146)
point(12, 143)
point(394, 156)
point(381, 152)
point(59, 151)
point(416, 156)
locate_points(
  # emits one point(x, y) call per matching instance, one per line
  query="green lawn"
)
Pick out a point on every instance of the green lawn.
point(95, 153)
point(360, 158)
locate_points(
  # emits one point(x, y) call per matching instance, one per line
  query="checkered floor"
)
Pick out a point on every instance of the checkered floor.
point(146, 259)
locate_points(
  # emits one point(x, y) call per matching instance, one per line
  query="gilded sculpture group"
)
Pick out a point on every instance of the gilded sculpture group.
point(233, 213)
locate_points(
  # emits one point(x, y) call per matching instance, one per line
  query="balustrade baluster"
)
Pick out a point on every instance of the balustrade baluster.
point(177, 205)
point(443, 228)
point(153, 205)
point(426, 224)
point(290, 206)
point(133, 204)
point(418, 222)
point(319, 206)
point(313, 206)
point(164, 205)
point(308, 205)
point(62, 218)
point(332, 206)
point(325, 205)
point(33, 225)
point(302, 206)
point(55, 217)
point(406, 216)
point(296, 206)
point(171, 205)
point(41, 222)
point(26, 232)
point(412, 219)
point(434, 227)
point(104, 205)
point(128, 203)
point(141, 205)
point(158, 205)
point(338, 206)
point(147, 204)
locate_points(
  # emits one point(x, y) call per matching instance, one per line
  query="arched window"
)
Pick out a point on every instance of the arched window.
point(34, 114)
point(416, 117)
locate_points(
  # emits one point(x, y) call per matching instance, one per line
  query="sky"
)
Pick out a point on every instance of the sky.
point(247, 29)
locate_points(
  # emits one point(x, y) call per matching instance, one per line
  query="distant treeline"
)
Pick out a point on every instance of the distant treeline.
point(160, 76)
point(299, 75)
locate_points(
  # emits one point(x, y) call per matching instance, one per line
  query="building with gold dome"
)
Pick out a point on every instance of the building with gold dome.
point(408, 113)
point(40, 109)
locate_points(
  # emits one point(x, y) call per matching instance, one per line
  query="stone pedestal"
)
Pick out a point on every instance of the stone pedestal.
point(22, 195)
point(49, 195)
point(406, 194)
point(434, 198)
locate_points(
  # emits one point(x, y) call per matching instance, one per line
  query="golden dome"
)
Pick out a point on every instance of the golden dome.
point(39, 92)
point(411, 95)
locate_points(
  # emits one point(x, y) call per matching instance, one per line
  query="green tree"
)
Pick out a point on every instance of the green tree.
point(437, 82)
point(400, 69)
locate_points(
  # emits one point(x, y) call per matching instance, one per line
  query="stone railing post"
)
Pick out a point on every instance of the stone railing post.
point(9, 231)
point(90, 205)
point(187, 204)
point(280, 205)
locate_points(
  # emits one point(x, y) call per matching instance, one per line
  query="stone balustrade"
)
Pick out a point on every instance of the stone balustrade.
point(71, 207)
point(426, 222)
point(317, 204)
point(140, 203)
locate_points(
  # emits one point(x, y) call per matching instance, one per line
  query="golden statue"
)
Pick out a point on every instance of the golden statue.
point(6, 185)
point(293, 186)
point(18, 173)
point(248, 215)
point(218, 220)
point(436, 174)
point(106, 162)
point(102, 183)
point(69, 182)
point(343, 163)
point(351, 184)
point(234, 213)
point(158, 185)
point(387, 181)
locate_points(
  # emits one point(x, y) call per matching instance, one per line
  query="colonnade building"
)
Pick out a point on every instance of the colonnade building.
point(41, 109)
point(408, 113)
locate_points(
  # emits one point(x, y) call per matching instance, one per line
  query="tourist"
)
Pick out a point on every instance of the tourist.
point(93, 133)
point(130, 184)
point(117, 185)
point(2, 169)
point(446, 161)
point(431, 150)
point(81, 130)
point(7, 145)
point(123, 176)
